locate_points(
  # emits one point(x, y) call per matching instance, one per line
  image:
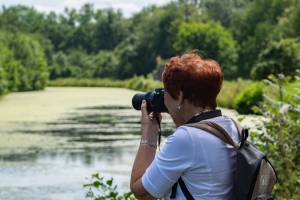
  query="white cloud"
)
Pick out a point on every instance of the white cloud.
point(128, 7)
point(48, 9)
point(72, 4)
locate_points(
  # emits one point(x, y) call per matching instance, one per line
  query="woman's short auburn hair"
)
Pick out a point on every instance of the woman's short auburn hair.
point(199, 80)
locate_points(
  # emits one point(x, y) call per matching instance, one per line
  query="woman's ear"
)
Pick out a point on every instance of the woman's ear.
point(180, 98)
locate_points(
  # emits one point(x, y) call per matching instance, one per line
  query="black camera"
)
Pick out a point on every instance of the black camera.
point(155, 101)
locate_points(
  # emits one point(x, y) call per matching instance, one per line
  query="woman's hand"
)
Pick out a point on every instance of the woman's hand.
point(149, 125)
point(146, 153)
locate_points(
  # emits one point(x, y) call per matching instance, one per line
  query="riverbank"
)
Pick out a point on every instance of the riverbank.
point(225, 99)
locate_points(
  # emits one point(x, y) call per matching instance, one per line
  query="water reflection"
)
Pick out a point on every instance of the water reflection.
point(101, 120)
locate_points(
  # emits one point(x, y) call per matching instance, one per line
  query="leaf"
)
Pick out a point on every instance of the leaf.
point(109, 182)
point(95, 176)
point(96, 184)
point(240, 119)
point(87, 185)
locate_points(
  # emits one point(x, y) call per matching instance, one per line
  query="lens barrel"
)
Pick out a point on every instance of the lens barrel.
point(137, 100)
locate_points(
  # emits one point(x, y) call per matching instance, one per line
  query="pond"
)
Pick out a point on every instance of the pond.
point(52, 141)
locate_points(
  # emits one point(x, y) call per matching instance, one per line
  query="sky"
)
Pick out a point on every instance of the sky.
point(128, 7)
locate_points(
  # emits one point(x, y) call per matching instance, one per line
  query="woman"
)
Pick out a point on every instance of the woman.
point(204, 162)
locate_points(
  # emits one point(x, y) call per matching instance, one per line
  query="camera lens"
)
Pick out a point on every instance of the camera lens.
point(137, 101)
point(138, 98)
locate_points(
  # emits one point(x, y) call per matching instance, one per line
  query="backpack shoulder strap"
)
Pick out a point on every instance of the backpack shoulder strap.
point(217, 131)
point(238, 126)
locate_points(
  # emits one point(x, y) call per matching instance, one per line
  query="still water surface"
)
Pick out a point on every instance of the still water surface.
point(51, 141)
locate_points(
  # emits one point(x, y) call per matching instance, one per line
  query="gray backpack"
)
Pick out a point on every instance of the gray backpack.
point(255, 176)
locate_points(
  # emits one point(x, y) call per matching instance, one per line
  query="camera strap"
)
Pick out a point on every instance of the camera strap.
point(203, 116)
point(159, 132)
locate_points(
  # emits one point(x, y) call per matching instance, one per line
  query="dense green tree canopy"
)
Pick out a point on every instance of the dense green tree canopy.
point(249, 38)
point(278, 58)
point(254, 27)
point(213, 39)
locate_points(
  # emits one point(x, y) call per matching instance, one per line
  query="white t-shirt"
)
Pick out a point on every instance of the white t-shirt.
point(204, 162)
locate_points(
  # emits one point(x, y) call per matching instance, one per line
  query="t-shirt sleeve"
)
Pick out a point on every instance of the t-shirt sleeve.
point(175, 157)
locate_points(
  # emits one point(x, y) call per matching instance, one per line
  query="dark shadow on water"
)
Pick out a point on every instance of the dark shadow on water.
point(116, 107)
point(97, 121)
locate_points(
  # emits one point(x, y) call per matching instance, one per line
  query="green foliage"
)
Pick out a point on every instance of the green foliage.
point(22, 62)
point(21, 19)
point(278, 57)
point(105, 65)
point(135, 56)
point(251, 96)
point(139, 83)
point(289, 24)
point(279, 134)
point(164, 35)
point(258, 12)
point(61, 67)
point(224, 10)
point(79, 64)
point(106, 188)
point(33, 74)
point(110, 30)
point(229, 91)
point(211, 38)
point(144, 84)
point(9, 75)
point(3, 82)
point(254, 27)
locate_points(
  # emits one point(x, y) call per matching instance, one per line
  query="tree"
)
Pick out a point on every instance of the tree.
point(33, 75)
point(164, 32)
point(110, 29)
point(134, 57)
point(105, 63)
point(289, 24)
point(9, 71)
point(253, 28)
point(21, 19)
point(213, 39)
point(223, 11)
point(278, 58)
point(8, 66)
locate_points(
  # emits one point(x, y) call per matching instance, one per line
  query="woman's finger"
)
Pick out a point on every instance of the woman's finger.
point(144, 111)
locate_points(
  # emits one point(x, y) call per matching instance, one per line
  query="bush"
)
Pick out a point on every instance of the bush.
point(250, 97)
point(33, 73)
point(279, 135)
point(139, 83)
point(106, 188)
point(229, 91)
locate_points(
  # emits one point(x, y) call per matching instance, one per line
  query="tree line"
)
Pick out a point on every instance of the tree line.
point(249, 38)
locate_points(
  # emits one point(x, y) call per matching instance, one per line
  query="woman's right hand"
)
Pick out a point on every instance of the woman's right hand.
point(149, 125)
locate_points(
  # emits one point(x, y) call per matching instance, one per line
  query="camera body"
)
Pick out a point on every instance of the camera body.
point(155, 101)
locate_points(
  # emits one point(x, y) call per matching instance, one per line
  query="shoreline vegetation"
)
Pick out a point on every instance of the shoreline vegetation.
point(225, 99)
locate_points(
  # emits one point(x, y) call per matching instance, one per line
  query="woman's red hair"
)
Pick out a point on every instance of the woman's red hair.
point(199, 80)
